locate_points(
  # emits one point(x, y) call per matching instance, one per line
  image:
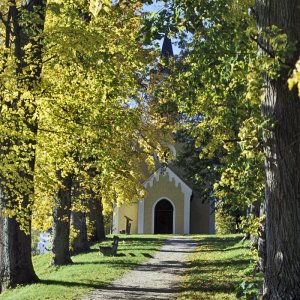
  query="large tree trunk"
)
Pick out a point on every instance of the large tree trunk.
point(95, 219)
point(80, 242)
point(15, 255)
point(282, 160)
point(15, 246)
point(61, 222)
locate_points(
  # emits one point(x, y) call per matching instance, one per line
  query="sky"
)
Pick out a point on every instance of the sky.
point(155, 7)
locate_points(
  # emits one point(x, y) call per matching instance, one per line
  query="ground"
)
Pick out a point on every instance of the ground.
point(223, 268)
point(159, 278)
point(189, 267)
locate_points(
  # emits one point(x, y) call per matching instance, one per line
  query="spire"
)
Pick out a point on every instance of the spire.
point(167, 49)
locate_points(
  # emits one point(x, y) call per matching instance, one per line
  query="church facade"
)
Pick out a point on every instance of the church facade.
point(171, 204)
point(169, 207)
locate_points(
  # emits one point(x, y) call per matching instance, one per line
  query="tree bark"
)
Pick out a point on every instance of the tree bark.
point(15, 255)
point(282, 160)
point(15, 246)
point(254, 210)
point(95, 219)
point(261, 247)
point(61, 222)
point(80, 241)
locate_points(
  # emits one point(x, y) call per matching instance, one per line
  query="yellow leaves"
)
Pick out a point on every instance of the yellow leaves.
point(229, 177)
point(254, 87)
point(250, 224)
point(90, 77)
point(250, 135)
point(97, 5)
point(295, 79)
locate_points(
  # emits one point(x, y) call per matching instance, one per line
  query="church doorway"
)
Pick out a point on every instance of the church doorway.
point(163, 217)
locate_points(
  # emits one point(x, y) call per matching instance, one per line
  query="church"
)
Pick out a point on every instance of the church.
point(171, 204)
point(170, 207)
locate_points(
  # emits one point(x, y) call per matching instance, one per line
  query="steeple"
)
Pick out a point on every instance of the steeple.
point(167, 49)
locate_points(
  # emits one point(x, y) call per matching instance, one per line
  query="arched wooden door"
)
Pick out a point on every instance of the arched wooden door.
point(163, 217)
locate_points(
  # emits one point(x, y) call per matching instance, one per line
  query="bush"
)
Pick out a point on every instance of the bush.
point(225, 223)
point(248, 291)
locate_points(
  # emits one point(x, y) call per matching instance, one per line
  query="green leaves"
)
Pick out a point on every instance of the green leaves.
point(218, 82)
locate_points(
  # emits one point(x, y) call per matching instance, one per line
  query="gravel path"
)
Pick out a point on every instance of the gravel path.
point(157, 279)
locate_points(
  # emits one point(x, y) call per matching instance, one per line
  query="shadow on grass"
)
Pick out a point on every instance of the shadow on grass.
point(179, 251)
point(147, 255)
point(120, 254)
point(94, 285)
point(110, 263)
point(90, 251)
point(102, 286)
point(143, 240)
point(208, 266)
point(220, 243)
point(217, 275)
point(138, 249)
point(211, 286)
point(222, 250)
point(143, 291)
point(161, 250)
point(168, 266)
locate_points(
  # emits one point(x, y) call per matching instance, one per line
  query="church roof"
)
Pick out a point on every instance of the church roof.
point(167, 48)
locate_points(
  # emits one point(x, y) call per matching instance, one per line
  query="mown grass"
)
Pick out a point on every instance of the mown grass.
point(218, 268)
point(89, 271)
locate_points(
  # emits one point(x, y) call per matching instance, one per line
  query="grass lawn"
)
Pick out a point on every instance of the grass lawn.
point(88, 272)
point(219, 265)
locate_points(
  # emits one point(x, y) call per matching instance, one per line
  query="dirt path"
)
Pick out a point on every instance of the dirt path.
point(157, 279)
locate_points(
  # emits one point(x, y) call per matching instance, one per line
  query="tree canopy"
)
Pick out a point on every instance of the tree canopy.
point(85, 100)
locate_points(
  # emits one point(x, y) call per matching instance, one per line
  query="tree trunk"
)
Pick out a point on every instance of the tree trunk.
point(95, 219)
point(261, 248)
point(80, 241)
point(61, 222)
point(15, 255)
point(15, 246)
point(282, 160)
point(254, 211)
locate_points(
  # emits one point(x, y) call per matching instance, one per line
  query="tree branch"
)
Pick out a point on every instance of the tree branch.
point(269, 52)
point(53, 131)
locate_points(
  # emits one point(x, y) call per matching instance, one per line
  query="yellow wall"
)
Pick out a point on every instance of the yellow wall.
point(199, 216)
point(131, 211)
point(199, 212)
point(164, 189)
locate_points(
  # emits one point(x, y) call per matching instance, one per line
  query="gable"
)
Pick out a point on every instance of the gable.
point(172, 176)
